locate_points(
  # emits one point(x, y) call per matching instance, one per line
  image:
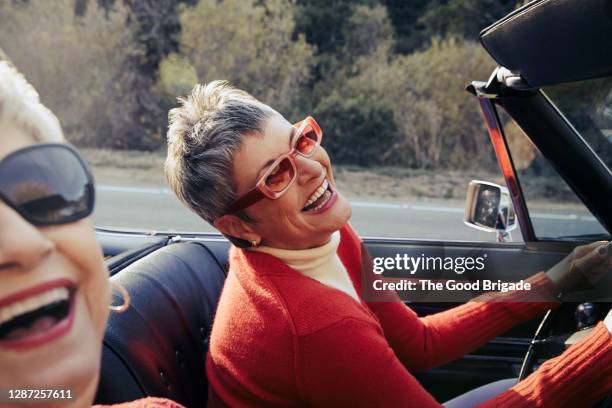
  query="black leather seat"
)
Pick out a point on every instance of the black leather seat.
point(158, 346)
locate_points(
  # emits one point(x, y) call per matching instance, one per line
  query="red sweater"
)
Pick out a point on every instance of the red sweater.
point(283, 339)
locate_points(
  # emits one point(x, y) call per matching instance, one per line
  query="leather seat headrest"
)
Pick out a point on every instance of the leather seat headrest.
point(158, 346)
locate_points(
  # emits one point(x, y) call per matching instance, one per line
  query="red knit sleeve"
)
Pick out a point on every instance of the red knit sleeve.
point(424, 343)
point(579, 377)
point(349, 364)
point(144, 403)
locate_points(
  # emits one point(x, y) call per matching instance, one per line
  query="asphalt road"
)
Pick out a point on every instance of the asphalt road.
point(158, 209)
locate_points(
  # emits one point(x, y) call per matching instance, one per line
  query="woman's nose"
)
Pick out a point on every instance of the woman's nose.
point(307, 169)
point(22, 245)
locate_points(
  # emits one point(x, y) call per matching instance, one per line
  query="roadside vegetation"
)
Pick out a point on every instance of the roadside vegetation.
point(387, 183)
point(385, 78)
point(144, 169)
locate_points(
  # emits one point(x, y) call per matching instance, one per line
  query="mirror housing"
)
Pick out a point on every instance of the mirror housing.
point(488, 208)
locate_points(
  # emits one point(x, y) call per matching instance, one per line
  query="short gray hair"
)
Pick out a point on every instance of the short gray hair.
point(20, 106)
point(203, 135)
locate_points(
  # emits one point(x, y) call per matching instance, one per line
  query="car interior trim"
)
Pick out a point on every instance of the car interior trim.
point(507, 167)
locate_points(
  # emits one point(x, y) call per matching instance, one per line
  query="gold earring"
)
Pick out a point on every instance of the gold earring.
point(124, 294)
point(254, 243)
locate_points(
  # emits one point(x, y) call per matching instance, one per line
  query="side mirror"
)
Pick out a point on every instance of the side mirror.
point(488, 208)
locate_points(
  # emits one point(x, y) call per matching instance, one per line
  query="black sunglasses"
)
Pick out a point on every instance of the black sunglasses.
point(47, 184)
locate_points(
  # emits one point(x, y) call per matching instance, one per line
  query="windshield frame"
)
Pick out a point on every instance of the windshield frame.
point(547, 127)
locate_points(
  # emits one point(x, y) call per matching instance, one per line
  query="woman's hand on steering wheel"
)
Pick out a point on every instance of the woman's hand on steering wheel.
point(587, 262)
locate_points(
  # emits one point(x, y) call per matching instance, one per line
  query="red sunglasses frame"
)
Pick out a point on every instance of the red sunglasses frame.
point(261, 191)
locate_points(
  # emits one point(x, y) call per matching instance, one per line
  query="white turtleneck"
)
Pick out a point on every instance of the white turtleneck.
point(320, 263)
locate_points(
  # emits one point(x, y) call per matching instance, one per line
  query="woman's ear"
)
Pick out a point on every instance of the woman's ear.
point(233, 226)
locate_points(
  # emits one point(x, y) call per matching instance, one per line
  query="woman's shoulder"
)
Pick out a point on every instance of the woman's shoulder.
point(283, 296)
point(144, 403)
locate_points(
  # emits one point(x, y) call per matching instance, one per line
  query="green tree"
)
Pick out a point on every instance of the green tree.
point(73, 62)
point(322, 21)
point(439, 124)
point(404, 15)
point(366, 30)
point(249, 43)
point(463, 18)
point(155, 29)
point(359, 130)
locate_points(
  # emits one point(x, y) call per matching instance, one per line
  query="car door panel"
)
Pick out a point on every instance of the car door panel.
point(501, 357)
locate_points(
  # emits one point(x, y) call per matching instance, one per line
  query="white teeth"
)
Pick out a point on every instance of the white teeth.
point(32, 303)
point(318, 193)
point(327, 195)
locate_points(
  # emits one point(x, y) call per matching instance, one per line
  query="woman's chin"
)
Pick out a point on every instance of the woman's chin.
point(68, 362)
point(340, 213)
point(336, 217)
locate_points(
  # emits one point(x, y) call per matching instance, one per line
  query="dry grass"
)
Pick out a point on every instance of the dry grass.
point(146, 169)
point(126, 167)
point(407, 183)
point(138, 168)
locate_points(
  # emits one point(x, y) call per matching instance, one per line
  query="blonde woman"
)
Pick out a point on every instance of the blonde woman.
point(54, 288)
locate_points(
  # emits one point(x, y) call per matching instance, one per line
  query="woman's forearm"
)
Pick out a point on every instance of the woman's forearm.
point(579, 377)
point(424, 343)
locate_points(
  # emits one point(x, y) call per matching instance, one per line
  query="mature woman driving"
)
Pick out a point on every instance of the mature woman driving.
point(291, 327)
point(54, 288)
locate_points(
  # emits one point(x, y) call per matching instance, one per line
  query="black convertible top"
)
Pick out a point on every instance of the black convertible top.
point(554, 41)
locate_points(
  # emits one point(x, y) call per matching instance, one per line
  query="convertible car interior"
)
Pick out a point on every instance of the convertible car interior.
point(158, 346)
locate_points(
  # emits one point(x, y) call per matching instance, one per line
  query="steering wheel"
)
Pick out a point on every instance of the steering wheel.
point(546, 342)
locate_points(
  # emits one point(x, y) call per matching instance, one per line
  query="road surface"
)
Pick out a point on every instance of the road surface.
point(158, 209)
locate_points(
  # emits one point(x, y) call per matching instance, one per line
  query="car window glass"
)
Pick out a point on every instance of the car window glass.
point(588, 107)
point(554, 209)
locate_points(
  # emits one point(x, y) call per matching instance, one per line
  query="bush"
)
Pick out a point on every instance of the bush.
point(358, 130)
point(440, 125)
point(249, 43)
point(74, 62)
point(112, 74)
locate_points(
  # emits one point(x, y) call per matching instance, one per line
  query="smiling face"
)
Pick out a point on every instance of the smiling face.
point(54, 298)
point(303, 217)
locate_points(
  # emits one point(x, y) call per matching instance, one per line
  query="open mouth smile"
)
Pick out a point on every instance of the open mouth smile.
point(322, 199)
point(37, 315)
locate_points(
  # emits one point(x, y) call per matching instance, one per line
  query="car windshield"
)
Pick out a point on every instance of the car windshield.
point(588, 107)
